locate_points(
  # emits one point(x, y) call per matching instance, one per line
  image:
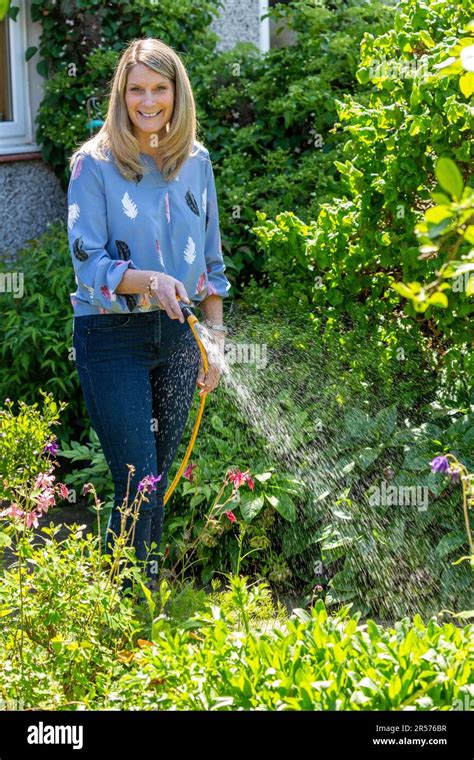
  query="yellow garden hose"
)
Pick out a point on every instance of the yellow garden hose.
point(192, 321)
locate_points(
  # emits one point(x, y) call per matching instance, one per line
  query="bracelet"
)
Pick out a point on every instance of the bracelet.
point(150, 281)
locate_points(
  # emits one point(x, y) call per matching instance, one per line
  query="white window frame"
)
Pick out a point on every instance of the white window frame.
point(16, 135)
point(264, 36)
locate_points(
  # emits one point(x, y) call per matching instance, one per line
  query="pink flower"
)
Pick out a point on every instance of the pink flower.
point(86, 488)
point(44, 480)
point(45, 500)
point(32, 519)
point(13, 510)
point(231, 516)
point(238, 478)
point(64, 490)
point(188, 473)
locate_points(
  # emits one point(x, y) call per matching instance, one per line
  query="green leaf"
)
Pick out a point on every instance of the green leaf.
point(438, 299)
point(386, 420)
point(250, 506)
point(283, 505)
point(30, 53)
point(449, 177)
point(263, 476)
point(367, 456)
point(450, 542)
point(466, 84)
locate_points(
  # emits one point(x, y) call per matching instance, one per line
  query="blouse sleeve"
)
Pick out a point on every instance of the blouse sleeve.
point(95, 269)
point(218, 282)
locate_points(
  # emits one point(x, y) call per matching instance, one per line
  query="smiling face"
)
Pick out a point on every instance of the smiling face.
point(150, 99)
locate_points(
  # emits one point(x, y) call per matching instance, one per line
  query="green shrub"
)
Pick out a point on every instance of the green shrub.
point(36, 349)
point(23, 436)
point(82, 646)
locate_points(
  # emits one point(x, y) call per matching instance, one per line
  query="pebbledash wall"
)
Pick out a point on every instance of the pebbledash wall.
point(30, 193)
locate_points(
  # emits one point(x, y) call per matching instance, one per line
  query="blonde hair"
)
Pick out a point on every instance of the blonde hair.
point(116, 134)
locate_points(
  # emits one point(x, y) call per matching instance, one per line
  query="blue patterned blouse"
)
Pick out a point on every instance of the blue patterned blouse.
point(164, 226)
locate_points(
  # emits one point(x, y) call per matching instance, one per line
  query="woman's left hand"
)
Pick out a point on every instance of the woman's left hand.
point(215, 356)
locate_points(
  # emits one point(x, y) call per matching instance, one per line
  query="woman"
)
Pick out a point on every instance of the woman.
point(143, 229)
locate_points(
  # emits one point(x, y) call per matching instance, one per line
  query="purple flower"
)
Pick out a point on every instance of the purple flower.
point(439, 464)
point(455, 473)
point(148, 483)
point(51, 448)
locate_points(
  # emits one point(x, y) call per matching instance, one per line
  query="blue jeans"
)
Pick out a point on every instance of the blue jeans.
point(138, 374)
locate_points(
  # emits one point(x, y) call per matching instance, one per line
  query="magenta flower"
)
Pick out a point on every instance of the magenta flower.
point(230, 515)
point(148, 483)
point(188, 473)
point(440, 464)
point(106, 292)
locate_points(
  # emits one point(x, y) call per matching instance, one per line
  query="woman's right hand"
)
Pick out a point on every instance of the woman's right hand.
point(166, 289)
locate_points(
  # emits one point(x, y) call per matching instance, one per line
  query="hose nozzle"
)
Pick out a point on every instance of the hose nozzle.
point(184, 308)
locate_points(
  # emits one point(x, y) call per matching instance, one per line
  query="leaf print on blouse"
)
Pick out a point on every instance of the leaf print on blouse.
point(190, 251)
point(78, 250)
point(90, 290)
point(77, 167)
point(73, 215)
point(167, 207)
point(211, 289)
point(160, 254)
point(201, 282)
point(128, 206)
point(107, 294)
point(191, 201)
point(124, 252)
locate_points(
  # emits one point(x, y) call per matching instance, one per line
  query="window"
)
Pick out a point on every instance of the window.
point(15, 119)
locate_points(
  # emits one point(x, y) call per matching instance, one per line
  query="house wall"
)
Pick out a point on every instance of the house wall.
point(31, 196)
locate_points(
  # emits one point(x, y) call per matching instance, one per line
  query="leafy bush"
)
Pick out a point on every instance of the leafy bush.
point(23, 437)
point(82, 646)
point(37, 328)
point(267, 119)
